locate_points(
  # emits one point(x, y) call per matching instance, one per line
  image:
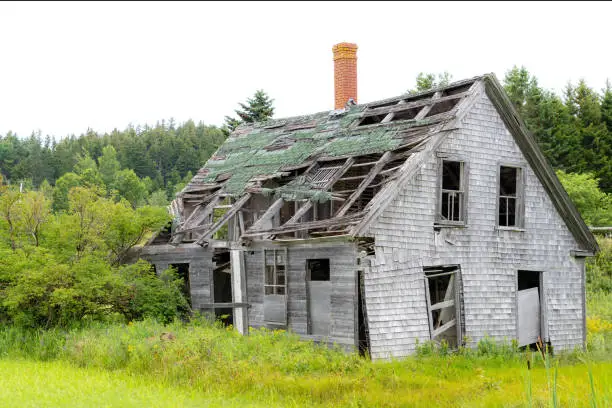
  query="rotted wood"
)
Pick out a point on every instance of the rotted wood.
point(346, 221)
point(308, 204)
point(196, 218)
point(270, 212)
point(390, 116)
point(423, 112)
point(410, 105)
point(364, 184)
point(229, 214)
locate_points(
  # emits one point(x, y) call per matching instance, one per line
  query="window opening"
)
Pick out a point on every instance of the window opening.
point(452, 197)
point(318, 269)
point(509, 196)
point(274, 264)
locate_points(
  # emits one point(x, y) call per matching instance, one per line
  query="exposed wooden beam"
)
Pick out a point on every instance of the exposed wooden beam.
point(390, 116)
point(308, 204)
point(410, 105)
point(229, 214)
point(364, 184)
point(348, 220)
point(299, 213)
point(270, 212)
point(425, 110)
point(196, 218)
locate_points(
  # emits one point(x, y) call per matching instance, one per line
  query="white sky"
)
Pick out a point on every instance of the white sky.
point(69, 66)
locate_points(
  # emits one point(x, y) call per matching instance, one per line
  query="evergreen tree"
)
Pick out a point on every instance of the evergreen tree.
point(256, 109)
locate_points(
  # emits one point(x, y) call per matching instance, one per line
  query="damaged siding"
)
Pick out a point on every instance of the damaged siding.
point(489, 257)
point(200, 268)
point(343, 298)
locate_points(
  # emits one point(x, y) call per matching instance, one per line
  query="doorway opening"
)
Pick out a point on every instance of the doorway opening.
point(182, 270)
point(222, 287)
point(529, 299)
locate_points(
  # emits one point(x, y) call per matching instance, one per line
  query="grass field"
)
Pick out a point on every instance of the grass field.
point(132, 365)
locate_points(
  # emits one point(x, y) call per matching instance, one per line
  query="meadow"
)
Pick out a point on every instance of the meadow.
point(203, 364)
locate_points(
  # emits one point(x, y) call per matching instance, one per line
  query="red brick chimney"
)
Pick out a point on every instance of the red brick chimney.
point(345, 73)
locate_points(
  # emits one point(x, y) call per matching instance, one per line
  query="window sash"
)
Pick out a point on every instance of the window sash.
point(451, 202)
point(510, 206)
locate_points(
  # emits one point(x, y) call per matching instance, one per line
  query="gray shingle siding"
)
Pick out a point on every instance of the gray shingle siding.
point(489, 257)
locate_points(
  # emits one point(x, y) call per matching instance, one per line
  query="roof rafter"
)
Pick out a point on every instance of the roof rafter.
point(229, 214)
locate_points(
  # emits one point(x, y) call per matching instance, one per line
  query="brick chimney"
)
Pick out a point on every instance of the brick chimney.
point(345, 73)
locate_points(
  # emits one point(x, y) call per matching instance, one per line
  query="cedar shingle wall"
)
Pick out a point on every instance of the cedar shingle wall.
point(489, 258)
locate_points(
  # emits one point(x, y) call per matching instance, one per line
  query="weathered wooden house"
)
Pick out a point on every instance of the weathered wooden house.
point(423, 216)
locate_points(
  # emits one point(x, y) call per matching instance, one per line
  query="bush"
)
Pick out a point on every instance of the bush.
point(158, 298)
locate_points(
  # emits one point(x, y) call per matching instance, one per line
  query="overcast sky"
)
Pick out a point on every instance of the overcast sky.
point(69, 66)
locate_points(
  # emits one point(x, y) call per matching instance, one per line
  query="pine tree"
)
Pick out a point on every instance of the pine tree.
point(256, 109)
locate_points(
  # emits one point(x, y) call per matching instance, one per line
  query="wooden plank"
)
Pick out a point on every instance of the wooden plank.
point(308, 205)
point(428, 304)
point(410, 105)
point(201, 215)
point(299, 213)
point(441, 305)
point(216, 226)
point(348, 220)
point(443, 328)
point(270, 212)
point(390, 116)
point(423, 112)
point(196, 218)
point(364, 184)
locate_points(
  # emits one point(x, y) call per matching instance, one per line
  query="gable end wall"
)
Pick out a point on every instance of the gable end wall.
point(489, 258)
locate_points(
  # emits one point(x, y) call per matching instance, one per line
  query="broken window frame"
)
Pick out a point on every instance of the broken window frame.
point(462, 193)
point(438, 271)
point(275, 286)
point(519, 205)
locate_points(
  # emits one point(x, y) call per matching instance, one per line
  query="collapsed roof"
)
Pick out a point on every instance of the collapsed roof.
point(353, 157)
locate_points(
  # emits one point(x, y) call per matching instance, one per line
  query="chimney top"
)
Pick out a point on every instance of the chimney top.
point(345, 73)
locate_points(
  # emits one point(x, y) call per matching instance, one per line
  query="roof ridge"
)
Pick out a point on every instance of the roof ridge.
point(274, 121)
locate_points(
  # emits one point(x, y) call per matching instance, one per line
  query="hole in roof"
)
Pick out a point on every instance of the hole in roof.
point(442, 107)
point(382, 105)
point(371, 120)
point(406, 114)
point(458, 89)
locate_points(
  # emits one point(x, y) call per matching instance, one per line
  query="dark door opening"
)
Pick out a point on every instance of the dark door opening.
point(182, 270)
point(363, 338)
point(529, 299)
point(319, 296)
point(222, 287)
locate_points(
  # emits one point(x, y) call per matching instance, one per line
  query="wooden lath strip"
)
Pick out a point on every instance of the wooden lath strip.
point(423, 112)
point(229, 214)
point(364, 184)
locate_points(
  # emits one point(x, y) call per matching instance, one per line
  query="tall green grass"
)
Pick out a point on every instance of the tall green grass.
point(276, 368)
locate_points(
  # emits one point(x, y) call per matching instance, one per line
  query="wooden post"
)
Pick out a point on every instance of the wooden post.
point(241, 315)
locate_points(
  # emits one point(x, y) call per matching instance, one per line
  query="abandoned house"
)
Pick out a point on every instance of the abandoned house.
point(427, 216)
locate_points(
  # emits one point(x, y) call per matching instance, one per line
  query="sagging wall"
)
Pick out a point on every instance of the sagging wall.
point(343, 277)
point(200, 268)
point(489, 257)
